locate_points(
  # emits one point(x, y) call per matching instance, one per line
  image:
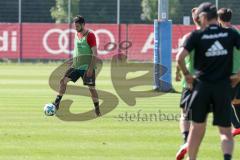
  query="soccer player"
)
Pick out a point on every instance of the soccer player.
point(83, 63)
point(213, 58)
point(186, 92)
point(224, 19)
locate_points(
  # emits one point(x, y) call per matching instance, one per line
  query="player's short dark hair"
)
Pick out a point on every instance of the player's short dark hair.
point(195, 16)
point(209, 9)
point(79, 19)
point(225, 14)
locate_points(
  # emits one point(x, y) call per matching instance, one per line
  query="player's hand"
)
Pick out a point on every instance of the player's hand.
point(235, 79)
point(89, 72)
point(189, 79)
point(178, 76)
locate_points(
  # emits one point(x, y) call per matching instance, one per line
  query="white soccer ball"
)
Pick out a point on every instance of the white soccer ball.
point(49, 109)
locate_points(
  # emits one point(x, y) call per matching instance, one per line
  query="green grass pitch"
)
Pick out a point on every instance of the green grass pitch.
point(26, 134)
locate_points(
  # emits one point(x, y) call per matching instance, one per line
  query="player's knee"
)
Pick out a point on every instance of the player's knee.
point(199, 128)
point(91, 88)
point(227, 138)
point(226, 134)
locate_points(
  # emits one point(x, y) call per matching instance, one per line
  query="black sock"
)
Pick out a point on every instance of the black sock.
point(96, 104)
point(185, 136)
point(227, 157)
point(58, 99)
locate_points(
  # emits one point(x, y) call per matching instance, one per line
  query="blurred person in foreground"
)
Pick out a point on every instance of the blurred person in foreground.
point(211, 84)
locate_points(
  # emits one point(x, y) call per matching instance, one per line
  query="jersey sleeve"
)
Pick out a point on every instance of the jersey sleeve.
point(190, 42)
point(91, 40)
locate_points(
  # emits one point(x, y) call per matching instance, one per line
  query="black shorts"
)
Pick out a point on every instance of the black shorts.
point(185, 97)
point(184, 102)
point(75, 74)
point(236, 92)
point(215, 97)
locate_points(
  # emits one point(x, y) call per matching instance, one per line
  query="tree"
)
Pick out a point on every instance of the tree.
point(150, 9)
point(60, 11)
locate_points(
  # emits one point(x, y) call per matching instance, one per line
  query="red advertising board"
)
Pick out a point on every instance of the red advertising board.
point(9, 40)
point(53, 41)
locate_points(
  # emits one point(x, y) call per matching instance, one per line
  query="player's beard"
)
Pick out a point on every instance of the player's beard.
point(80, 29)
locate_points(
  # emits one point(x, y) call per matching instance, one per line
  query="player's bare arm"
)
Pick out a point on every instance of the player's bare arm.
point(178, 75)
point(181, 63)
point(93, 61)
point(178, 70)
